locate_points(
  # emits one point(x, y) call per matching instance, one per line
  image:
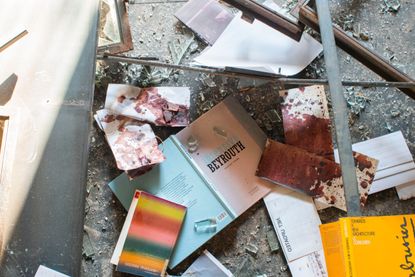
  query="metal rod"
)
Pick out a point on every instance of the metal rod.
point(340, 112)
point(275, 79)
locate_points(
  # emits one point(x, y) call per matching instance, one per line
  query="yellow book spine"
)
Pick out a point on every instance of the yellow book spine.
point(332, 239)
point(346, 234)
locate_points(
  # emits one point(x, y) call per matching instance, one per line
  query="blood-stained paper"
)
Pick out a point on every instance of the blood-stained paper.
point(133, 143)
point(162, 106)
point(306, 120)
point(313, 175)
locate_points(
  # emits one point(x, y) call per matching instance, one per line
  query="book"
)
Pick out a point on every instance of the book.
point(370, 246)
point(316, 176)
point(209, 168)
point(306, 120)
point(149, 235)
point(296, 223)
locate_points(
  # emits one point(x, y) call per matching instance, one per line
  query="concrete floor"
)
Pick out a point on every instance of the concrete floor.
point(153, 26)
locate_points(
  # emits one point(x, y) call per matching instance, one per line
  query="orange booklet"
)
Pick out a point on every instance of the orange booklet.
point(370, 246)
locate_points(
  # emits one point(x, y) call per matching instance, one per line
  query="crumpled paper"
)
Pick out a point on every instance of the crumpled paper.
point(162, 106)
point(132, 142)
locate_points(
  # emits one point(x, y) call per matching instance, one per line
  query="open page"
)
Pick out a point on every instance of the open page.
point(176, 180)
point(226, 145)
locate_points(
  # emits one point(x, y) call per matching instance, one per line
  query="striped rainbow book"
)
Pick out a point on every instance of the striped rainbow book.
point(152, 233)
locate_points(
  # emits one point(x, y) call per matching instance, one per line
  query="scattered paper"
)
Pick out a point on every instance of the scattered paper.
point(133, 143)
point(43, 271)
point(162, 106)
point(207, 266)
point(311, 265)
point(259, 47)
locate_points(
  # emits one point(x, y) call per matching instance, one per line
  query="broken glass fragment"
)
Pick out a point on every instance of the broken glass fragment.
point(251, 249)
point(206, 226)
point(272, 241)
point(192, 144)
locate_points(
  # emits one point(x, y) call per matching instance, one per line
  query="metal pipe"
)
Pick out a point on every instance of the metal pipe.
point(269, 77)
point(340, 113)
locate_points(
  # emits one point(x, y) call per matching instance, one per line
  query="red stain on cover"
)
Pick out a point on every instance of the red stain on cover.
point(296, 168)
point(310, 133)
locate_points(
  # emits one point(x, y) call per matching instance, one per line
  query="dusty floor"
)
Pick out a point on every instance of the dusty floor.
point(386, 110)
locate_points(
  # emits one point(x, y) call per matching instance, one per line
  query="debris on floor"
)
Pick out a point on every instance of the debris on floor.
point(241, 143)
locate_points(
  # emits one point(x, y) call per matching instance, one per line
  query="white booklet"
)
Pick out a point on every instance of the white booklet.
point(207, 266)
point(296, 222)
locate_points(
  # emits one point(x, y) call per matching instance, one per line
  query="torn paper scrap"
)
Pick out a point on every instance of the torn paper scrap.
point(44, 271)
point(162, 106)
point(207, 266)
point(311, 265)
point(306, 120)
point(313, 175)
point(208, 19)
point(261, 48)
point(133, 143)
point(406, 191)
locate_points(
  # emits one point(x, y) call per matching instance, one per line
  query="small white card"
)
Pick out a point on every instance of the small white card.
point(44, 271)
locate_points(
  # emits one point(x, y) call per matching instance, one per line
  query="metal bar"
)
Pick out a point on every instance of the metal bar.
point(367, 57)
point(269, 17)
point(339, 110)
point(13, 40)
point(269, 77)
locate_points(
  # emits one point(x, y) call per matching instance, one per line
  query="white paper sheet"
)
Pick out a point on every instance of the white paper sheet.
point(44, 271)
point(396, 166)
point(261, 48)
point(207, 266)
